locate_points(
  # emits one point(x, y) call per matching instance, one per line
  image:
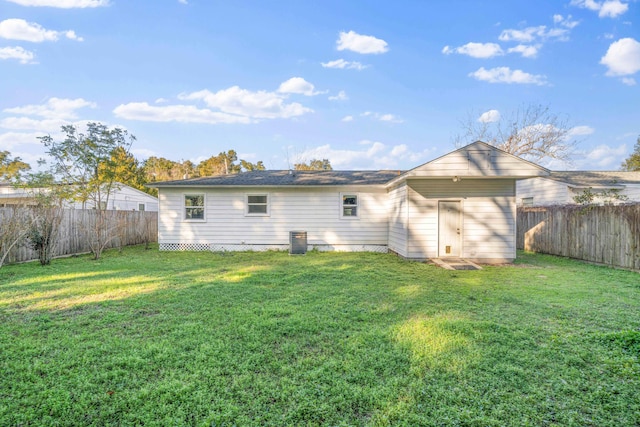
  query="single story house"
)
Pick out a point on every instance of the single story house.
point(459, 205)
point(560, 188)
point(122, 197)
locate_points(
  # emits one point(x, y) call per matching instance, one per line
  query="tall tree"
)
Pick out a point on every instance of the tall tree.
point(84, 165)
point(126, 169)
point(222, 164)
point(532, 132)
point(248, 166)
point(11, 168)
point(314, 165)
point(160, 169)
point(632, 163)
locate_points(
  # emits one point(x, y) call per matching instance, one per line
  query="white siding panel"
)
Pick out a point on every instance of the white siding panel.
point(543, 191)
point(398, 220)
point(488, 222)
point(477, 161)
point(316, 211)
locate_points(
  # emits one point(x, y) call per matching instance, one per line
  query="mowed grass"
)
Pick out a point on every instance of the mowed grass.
point(170, 339)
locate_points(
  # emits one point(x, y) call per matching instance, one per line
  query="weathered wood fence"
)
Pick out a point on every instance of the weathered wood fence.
point(129, 228)
point(603, 234)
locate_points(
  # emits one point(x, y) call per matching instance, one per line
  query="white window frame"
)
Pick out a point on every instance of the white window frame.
point(267, 204)
point(143, 205)
point(185, 207)
point(526, 202)
point(342, 205)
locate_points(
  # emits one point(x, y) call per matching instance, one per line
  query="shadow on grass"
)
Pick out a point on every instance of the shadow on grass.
point(326, 339)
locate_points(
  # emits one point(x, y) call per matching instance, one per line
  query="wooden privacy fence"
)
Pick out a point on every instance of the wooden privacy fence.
point(603, 234)
point(77, 226)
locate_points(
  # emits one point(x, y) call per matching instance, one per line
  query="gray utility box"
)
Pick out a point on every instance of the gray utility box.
point(297, 242)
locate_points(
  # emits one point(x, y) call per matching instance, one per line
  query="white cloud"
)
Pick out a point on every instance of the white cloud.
point(390, 118)
point(382, 117)
point(27, 123)
point(622, 57)
point(507, 75)
point(476, 50)
point(183, 1)
point(341, 96)
point(19, 29)
point(63, 4)
point(490, 116)
point(298, 85)
point(347, 119)
point(602, 157)
point(629, 81)
point(175, 113)
point(242, 102)
point(360, 43)
point(342, 64)
point(606, 9)
point(565, 22)
point(580, 131)
point(531, 34)
point(17, 52)
point(54, 108)
point(527, 51)
point(371, 155)
point(9, 140)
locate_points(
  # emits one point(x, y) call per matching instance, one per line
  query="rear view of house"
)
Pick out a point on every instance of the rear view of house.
point(459, 205)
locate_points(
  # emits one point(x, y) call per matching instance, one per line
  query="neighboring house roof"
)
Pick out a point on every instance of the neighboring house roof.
point(287, 178)
point(596, 179)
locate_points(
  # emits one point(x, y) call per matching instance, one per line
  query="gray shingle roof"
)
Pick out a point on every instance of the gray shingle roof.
point(596, 178)
point(287, 178)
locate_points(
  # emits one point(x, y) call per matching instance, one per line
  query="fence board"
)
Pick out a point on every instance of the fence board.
point(133, 228)
point(603, 234)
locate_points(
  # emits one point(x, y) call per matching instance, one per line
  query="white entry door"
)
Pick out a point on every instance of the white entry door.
point(449, 229)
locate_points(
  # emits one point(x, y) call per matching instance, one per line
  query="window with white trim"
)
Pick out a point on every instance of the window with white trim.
point(194, 207)
point(257, 204)
point(141, 207)
point(348, 205)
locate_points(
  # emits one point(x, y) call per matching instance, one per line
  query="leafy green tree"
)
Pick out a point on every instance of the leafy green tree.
point(126, 169)
point(11, 168)
point(158, 169)
point(222, 164)
point(632, 163)
point(248, 166)
point(314, 165)
point(84, 165)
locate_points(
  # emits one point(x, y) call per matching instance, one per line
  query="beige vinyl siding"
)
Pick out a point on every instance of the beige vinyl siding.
point(314, 210)
point(488, 217)
point(632, 191)
point(398, 219)
point(543, 191)
point(477, 161)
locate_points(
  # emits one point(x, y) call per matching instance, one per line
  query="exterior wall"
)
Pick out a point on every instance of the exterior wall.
point(124, 198)
point(488, 217)
point(543, 191)
point(478, 160)
point(128, 199)
point(546, 192)
point(314, 210)
point(398, 220)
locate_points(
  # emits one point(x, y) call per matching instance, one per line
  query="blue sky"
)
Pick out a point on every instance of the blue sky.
point(367, 84)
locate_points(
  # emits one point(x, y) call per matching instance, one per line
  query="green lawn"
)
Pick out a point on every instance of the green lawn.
point(166, 338)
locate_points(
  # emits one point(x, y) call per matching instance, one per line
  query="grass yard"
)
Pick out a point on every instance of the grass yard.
point(169, 339)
